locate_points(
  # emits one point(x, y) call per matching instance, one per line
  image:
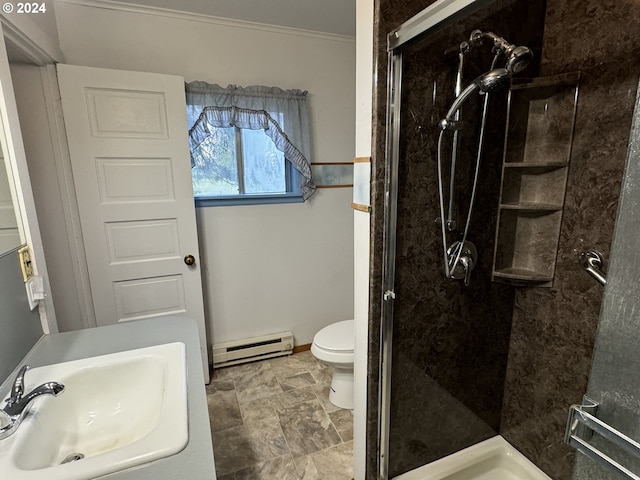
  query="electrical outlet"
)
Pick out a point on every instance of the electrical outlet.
point(24, 255)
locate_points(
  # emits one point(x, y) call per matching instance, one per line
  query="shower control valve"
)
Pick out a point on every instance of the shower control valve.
point(462, 259)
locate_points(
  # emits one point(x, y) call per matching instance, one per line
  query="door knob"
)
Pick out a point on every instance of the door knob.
point(190, 260)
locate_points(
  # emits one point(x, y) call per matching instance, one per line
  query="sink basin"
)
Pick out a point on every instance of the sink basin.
point(117, 411)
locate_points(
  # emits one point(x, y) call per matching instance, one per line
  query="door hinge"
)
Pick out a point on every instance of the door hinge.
point(24, 256)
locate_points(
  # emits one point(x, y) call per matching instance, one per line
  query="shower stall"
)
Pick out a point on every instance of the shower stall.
point(492, 149)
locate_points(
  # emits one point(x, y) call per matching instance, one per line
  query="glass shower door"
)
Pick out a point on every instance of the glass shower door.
point(614, 383)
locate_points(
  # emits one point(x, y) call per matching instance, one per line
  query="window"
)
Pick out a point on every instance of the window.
point(233, 161)
point(242, 153)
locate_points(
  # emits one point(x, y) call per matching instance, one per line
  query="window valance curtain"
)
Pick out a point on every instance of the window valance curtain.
point(282, 114)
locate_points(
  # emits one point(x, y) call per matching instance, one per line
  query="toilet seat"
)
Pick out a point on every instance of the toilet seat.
point(337, 337)
point(335, 343)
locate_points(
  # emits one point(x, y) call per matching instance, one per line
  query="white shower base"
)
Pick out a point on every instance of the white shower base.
point(493, 459)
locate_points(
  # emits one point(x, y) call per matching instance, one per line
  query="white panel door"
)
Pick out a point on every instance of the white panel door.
point(127, 134)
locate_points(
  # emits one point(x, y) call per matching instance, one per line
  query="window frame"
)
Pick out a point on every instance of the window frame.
point(292, 178)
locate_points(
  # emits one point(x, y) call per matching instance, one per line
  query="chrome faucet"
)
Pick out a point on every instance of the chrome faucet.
point(17, 405)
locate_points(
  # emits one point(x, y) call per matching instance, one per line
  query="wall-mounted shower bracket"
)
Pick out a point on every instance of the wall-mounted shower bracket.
point(455, 125)
point(581, 426)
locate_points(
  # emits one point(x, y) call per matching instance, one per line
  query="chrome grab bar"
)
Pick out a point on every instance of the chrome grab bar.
point(591, 261)
point(581, 425)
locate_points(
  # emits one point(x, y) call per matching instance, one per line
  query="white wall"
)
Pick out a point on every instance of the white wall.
point(362, 181)
point(267, 268)
point(39, 148)
point(13, 147)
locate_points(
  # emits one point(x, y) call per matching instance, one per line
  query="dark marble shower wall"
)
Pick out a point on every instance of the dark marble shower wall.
point(553, 329)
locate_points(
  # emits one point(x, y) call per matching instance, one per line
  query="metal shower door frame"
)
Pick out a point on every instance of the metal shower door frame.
point(439, 15)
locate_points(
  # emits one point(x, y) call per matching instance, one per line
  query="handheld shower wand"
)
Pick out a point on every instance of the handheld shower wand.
point(486, 82)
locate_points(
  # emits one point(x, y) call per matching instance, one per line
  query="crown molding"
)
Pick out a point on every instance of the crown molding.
point(30, 39)
point(202, 18)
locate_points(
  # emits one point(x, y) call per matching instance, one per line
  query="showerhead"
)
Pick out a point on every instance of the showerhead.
point(487, 82)
point(517, 58)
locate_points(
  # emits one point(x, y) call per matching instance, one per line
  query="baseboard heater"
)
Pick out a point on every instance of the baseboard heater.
point(252, 349)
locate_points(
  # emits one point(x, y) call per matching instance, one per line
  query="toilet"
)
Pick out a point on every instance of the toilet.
point(334, 345)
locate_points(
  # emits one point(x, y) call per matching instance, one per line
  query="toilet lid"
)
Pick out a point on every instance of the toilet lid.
point(337, 337)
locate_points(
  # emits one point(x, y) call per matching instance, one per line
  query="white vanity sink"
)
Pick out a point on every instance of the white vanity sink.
point(117, 411)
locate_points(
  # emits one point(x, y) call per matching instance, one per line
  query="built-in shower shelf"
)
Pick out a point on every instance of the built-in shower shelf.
point(535, 165)
point(542, 166)
point(533, 207)
point(522, 274)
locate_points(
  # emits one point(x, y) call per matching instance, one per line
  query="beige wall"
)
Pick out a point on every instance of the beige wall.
point(271, 267)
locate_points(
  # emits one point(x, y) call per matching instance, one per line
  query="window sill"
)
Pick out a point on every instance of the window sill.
point(236, 200)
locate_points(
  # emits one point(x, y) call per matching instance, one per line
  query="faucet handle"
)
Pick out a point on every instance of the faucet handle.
point(467, 264)
point(18, 386)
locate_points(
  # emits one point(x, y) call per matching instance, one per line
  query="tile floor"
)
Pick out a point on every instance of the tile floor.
point(273, 420)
